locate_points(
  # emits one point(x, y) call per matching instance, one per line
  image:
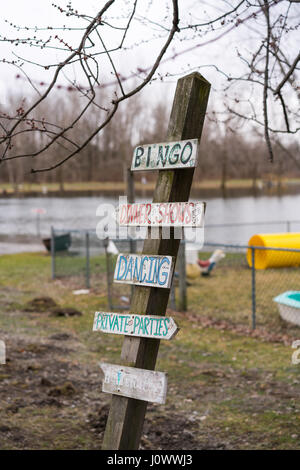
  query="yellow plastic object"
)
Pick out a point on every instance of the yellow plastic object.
point(193, 271)
point(271, 258)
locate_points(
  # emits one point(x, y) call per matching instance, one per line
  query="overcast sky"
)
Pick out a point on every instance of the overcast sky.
point(141, 52)
point(41, 13)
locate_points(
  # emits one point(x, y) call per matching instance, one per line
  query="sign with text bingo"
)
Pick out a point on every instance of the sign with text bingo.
point(144, 270)
point(143, 326)
point(162, 214)
point(141, 384)
point(165, 156)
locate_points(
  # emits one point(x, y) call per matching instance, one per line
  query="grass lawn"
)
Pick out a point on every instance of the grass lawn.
point(226, 389)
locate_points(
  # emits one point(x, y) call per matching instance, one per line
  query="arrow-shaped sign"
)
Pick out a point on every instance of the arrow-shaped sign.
point(141, 384)
point(143, 326)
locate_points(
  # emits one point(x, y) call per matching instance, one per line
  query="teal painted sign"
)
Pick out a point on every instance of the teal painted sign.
point(144, 326)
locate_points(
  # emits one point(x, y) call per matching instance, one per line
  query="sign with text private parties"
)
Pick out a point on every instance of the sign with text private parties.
point(162, 214)
point(143, 326)
point(144, 270)
point(165, 156)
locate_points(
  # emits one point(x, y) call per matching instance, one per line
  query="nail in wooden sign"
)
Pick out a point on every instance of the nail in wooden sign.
point(143, 326)
point(144, 270)
point(141, 384)
point(163, 214)
point(165, 156)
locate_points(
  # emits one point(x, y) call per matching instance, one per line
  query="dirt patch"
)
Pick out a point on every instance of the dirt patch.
point(173, 431)
point(224, 325)
point(159, 432)
point(60, 336)
point(40, 304)
point(67, 389)
point(43, 379)
point(65, 312)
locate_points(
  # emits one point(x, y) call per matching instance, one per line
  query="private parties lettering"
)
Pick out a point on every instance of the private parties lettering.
point(132, 325)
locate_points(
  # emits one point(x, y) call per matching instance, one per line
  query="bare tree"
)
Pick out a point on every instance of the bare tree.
point(272, 67)
point(271, 96)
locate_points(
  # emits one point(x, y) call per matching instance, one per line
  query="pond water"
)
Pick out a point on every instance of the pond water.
point(17, 216)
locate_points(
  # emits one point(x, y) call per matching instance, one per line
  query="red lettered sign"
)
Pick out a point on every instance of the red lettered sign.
point(163, 214)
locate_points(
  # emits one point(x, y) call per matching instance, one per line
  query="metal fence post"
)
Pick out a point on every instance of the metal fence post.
point(172, 298)
point(253, 289)
point(108, 274)
point(87, 269)
point(52, 254)
point(182, 278)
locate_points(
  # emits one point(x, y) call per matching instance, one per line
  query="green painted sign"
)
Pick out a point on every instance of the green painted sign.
point(165, 156)
point(144, 326)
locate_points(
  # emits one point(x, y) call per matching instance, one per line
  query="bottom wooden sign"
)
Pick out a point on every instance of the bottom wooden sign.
point(141, 384)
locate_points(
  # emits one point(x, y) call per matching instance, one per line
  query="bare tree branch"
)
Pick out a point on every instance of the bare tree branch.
point(287, 76)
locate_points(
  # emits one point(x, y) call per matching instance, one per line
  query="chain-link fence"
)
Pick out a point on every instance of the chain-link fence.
point(83, 260)
point(244, 283)
point(78, 256)
point(268, 281)
point(236, 289)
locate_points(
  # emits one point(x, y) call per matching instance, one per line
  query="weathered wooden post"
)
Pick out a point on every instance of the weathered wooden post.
point(108, 274)
point(126, 415)
point(130, 190)
point(52, 247)
point(87, 261)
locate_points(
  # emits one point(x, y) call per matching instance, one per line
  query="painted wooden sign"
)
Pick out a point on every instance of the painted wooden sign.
point(165, 156)
point(143, 326)
point(144, 270)
point(141, 384)
point(162, 214)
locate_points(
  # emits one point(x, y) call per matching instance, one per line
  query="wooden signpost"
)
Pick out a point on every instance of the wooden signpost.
point(143, 326)
point(177, 158)
point(139, 384)
point(144, 270)
point(167, 156)
point(163, 214)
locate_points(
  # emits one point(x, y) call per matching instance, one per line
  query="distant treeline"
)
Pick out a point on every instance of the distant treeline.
point(224, 154)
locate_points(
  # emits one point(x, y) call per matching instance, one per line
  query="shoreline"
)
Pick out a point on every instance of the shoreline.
point(232, 192)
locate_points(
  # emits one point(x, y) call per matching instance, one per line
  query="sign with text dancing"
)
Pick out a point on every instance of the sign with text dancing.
point(141, 384)
point(162, 214)
point(143, 326)
point(165, 156)
point(144, 270)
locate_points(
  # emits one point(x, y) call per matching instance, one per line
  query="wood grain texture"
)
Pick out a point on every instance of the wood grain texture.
point(126, 416)
point(140, 384)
